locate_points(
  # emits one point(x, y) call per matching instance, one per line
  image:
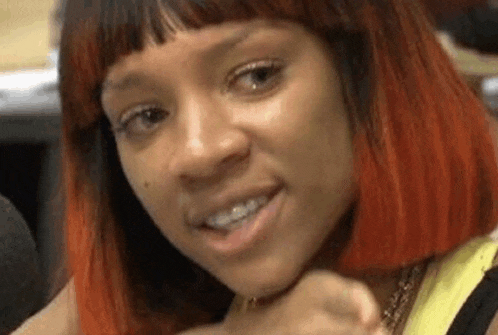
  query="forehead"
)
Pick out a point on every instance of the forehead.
point(211, 42)
point(229, 33)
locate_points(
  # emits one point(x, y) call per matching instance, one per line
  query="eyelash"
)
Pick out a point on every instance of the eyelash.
point(273, 66)
point(137, 112)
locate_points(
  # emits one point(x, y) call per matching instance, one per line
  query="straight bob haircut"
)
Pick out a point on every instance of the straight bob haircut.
point(424, 157)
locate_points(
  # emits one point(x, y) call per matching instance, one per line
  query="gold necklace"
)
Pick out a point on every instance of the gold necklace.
point(400, 298)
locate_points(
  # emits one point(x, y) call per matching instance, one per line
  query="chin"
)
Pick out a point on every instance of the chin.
point(261, 284)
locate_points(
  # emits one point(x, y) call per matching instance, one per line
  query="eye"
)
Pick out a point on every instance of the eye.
point(140, 120)
point(256, 77)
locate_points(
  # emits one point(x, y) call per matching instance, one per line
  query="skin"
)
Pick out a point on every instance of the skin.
point(220, 134)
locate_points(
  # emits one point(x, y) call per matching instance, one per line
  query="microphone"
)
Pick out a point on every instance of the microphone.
point(21, 283)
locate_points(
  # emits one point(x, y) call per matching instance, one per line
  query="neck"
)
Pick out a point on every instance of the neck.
point(403, 284)
point(382, 283)
point(383, 286)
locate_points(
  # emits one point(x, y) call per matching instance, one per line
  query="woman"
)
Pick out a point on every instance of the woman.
point(270, 166)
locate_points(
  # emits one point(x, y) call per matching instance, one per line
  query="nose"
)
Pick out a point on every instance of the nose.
point(209, 144)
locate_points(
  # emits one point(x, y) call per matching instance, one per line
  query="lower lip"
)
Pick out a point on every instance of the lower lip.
point(252, 230)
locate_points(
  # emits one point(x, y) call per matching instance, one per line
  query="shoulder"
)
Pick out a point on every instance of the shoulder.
point(60, 316)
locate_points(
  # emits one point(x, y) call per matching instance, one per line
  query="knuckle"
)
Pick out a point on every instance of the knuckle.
point(361, 292)
point(366, 302)
point(316, 277)
point(359, 287)
point(313, 285)
point(323, 281)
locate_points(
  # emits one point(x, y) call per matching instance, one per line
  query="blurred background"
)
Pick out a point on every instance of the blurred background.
point(30, 111)
point(29, 124)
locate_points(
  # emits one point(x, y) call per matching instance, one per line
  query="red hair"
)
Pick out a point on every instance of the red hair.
point(435, 163)
point(425, 159)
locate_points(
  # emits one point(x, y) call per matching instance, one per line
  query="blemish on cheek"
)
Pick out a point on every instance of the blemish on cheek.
point(146, 184)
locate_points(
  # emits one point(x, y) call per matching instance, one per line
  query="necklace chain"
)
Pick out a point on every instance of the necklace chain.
point(398, 301)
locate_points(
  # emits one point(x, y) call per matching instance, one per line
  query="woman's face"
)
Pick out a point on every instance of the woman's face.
point(236, 119)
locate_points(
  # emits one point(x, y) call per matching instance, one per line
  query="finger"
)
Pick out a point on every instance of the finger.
point(367, 305)
point(356, 302)
point(330, 292)
point(342, 303)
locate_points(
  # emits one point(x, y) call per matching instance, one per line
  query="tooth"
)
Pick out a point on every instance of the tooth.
point(219, 220)
point(239, 212)
point(252, 205)
point(262, 200)
point(233, 218)
point(225, 219)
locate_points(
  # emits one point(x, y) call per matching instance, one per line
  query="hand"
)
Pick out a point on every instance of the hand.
point(321, 303)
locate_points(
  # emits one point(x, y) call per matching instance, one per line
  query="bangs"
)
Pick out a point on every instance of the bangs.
point(98, 32)
point(126, 25)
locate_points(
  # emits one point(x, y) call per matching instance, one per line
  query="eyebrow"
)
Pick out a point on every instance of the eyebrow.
point(134, 79)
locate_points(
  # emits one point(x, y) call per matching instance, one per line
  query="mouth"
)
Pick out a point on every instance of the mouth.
point(247, 232)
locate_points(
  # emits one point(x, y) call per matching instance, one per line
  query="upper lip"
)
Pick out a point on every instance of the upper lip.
point(200, 211)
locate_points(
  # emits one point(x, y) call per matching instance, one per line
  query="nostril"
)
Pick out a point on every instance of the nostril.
point(235, 163)
point(211, 159)
point(236, 157)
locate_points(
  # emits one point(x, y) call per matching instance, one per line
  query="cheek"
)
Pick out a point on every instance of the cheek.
point(279, 124)
point(314, 128)
point(157, 193)
point(141, 172)
point(306, 110)
point(135, 172)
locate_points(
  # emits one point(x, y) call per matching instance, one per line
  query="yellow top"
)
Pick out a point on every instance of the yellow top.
point(447, 285)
